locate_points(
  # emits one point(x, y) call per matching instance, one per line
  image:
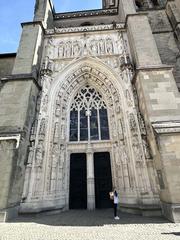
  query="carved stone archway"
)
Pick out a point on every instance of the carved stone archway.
point(47, 174)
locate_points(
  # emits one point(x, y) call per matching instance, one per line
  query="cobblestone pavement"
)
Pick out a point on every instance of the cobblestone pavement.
point(85, 225)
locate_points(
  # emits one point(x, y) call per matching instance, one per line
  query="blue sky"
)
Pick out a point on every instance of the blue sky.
point(14, 12)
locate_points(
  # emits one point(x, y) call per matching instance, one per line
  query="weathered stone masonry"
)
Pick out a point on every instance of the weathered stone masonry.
point(128, 54)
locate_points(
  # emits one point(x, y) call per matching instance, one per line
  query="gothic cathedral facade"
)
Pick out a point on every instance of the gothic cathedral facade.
point(89, 103)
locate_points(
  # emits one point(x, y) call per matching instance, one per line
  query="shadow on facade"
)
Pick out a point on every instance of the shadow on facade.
point(87, 218)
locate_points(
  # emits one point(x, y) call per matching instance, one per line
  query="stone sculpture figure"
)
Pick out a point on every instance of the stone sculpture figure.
point(39, 154)
point(132, 122)
point(101, 46)
point(61, 50)
point(76, 49)
point(42, 127)
point(94, 47)
point(146, 149)
point(68, 49)
point(109, 46)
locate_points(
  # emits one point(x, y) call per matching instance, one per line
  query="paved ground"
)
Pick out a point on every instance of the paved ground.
point(84, 225)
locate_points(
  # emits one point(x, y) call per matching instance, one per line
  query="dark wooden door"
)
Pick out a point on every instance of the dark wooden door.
point(78, 181)
point(103, 179)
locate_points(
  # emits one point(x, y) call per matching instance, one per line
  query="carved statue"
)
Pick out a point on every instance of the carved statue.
point(146, 149)
point(124, 156)
point(129, 98)
point(61, 50)
point(47, 66)
point(56, 131)
point(76, 49)
point(49, 49)
point(109, 46)
point(101, 46)
point(42, 127)
point(55, 155)
point(44, 103)
point(39, 154)
point(68, 49)
point(132, 122)
point(137, 151)
point(141, 124)
point(45, 63)
point(30, 156)
point(94, 47)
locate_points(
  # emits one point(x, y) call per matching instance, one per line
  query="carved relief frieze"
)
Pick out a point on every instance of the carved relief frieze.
point(111, 48)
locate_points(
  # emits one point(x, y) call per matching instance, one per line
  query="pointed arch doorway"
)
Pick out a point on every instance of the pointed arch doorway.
point(90, 172)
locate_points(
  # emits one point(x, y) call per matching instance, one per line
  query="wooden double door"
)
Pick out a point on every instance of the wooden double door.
point(78, 180)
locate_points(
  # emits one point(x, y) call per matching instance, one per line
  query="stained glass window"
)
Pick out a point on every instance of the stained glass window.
point(88, 116)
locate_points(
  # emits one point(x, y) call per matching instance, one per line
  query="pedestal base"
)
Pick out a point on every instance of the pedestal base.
point(144, 210)
point(8, 214)
point(171, 211)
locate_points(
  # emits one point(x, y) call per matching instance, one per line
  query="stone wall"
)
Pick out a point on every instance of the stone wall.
point(169, 52)
point(16, 116)
point(6, 64)
point(14, 105)
point(165, 40)
point(7, 150)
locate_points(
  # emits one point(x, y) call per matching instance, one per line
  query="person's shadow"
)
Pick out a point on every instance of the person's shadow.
point(172, 233)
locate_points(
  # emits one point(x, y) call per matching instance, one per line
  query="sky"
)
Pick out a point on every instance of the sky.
point(14, 12)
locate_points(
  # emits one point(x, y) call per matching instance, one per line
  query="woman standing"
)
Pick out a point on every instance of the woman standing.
point(116, 201)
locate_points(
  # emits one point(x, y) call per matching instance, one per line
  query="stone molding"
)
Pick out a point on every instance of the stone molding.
point(166, 127)
point(16, 137)
point(134, 15)
point(34, 23)
point(80, 14)
point(85, 28)
point(21, 77)
point(162, 67)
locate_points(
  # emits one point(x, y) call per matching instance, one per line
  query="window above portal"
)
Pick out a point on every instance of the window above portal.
point(88, 116)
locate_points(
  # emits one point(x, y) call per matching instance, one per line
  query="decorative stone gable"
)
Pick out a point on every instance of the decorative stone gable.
point(101, 61)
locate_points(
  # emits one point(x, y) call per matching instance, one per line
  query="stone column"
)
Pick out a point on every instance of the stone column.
point(17, 112)
point(159, 103)
point(90, 181)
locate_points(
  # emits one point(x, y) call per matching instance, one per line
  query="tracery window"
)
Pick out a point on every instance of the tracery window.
point(88, 116)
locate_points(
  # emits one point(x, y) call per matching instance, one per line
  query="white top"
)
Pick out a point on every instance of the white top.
point(116, 200)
